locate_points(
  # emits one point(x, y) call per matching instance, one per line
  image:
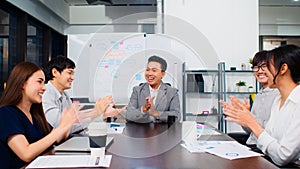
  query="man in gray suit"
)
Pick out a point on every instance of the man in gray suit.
point(153, 101)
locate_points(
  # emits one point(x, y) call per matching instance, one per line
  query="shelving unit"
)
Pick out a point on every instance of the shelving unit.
point(200, 97)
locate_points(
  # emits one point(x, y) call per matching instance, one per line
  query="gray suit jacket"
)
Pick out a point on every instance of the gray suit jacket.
point(167, 103)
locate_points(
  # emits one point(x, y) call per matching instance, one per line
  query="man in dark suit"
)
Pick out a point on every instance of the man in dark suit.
point(153, 101)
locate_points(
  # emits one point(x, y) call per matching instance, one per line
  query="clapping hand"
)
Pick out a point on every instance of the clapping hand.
point(152, 111)
point(239, 114)
point(102, 104)
point(148, 104)
point(236, 103)
point(111, 111)
point(68, 118)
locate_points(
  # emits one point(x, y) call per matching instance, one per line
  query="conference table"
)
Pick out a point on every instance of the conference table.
point(157, 146)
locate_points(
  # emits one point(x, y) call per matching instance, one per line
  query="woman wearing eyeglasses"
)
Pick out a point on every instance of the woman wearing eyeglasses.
point(280, 138)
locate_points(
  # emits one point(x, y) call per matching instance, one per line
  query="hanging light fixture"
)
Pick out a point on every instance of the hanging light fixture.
point(99, 2)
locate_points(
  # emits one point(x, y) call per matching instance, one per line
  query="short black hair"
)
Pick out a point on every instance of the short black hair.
point(60, 63)
point(260, 57)
point(163, 62)
point(287, 54)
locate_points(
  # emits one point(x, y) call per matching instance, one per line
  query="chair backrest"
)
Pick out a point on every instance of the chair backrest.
point(81, 99)
point(251, 99)
point(165, 83)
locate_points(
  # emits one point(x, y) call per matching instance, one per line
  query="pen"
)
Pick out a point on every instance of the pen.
point(97, 160)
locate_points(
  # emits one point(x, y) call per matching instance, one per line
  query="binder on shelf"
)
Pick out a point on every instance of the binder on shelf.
point(195, 83)
point(200, 82)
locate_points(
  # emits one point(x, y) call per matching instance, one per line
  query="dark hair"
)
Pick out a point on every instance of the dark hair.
point(260, 57)
point(163, 63)
point(287, 54)
point(12, 94)
point(60, 63)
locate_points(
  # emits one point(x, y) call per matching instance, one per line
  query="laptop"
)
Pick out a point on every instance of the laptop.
point(80, 144)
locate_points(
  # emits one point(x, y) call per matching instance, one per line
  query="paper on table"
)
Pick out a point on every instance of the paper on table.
point(191, 148)
point(56, 161)
point(226, 149)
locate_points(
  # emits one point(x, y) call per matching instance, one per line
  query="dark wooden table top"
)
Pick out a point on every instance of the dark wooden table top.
point(155, 146)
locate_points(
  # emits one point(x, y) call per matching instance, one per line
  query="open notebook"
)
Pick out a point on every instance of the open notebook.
point(80, 144)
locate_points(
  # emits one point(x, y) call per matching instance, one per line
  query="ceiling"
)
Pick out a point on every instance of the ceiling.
point(115, 2)
point(154, 2)
point(279, 3)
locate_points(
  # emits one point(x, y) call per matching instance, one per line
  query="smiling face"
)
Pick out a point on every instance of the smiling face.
point(63, 80)
point(154, 74)
point(34, 87)
point(261, 73)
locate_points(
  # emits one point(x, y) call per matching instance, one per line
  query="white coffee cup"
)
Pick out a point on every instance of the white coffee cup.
point(97, 155)
point(97, 132)
point(98, 152)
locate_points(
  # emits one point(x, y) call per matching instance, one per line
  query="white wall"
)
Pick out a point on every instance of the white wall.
point(218, 30)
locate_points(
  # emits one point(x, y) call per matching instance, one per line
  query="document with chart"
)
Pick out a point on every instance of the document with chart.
point(225, 149)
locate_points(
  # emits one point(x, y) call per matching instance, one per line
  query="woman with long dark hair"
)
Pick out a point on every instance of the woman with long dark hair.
point(280, 139)
point(24, 130)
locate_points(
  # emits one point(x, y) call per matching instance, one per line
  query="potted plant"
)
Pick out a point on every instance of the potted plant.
point(250, 89)
point(241, 86)
point(250, 63)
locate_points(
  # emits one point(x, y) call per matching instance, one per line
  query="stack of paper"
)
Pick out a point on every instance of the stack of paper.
point(225, 149)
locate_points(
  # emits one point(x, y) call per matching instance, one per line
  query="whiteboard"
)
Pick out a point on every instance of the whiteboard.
point(113, 63)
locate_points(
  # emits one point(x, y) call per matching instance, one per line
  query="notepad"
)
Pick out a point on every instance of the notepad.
point(80, 144)
point(65, 161)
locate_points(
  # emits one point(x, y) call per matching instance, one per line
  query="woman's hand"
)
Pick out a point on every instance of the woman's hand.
point(242, 116)
point(68, 118)
point(27, 152)
point(236, 102)
point(239, 114)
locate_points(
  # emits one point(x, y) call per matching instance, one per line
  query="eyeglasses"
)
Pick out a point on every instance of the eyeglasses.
point(263, 67)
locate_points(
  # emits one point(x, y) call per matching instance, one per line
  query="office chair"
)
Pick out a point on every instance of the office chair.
point(165, 83)
point(81, 99)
